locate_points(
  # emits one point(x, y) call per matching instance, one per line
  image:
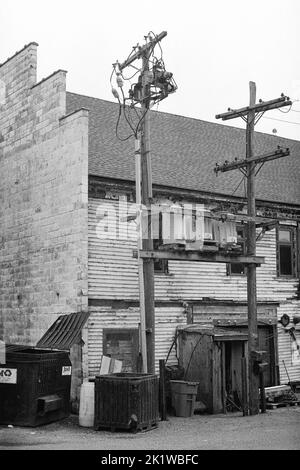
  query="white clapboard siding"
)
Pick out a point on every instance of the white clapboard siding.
point(113, 271)
point(166, 321)
point(113, 275)
point(285, 344)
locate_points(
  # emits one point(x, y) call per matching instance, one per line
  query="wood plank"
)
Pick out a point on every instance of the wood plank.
point(244, 369)
point(223, 373)
point(162, 389)
point(198, 256)
point(274, 405)
point(259, 107)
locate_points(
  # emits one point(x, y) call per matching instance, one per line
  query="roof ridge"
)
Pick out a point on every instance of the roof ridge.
point(188, 117)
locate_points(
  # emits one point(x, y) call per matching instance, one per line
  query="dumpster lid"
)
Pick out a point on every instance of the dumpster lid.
point(64, 332)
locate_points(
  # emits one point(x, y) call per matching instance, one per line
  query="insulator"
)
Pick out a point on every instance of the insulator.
point(115, 93)
point(119, 81)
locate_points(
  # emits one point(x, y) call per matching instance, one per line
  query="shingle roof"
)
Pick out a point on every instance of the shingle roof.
point(184, 152)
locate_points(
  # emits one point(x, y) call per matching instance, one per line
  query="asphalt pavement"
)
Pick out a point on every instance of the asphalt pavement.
point(277, 429)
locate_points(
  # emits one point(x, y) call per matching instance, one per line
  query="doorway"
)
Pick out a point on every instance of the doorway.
point(233, 352)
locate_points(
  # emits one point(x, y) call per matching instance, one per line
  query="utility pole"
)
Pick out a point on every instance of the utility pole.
point(251, 251)
point(144, 197)
point(248, 168)
point(147, 242)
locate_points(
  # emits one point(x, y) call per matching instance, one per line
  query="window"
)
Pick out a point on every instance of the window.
point(236, 269)
point(122, 344)
point(160, 265)
point(286, 251)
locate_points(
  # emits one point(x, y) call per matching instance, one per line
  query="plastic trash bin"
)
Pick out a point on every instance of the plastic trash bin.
point(34, 386)
point(184, 397)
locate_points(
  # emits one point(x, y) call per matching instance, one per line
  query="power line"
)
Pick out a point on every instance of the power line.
point(282, 120)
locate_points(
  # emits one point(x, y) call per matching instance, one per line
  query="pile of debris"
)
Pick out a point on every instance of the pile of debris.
point(281, 395)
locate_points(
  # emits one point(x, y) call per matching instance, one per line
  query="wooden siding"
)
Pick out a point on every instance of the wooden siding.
point(285, 344)
point(166, 321)
point(113, 271)
point(113, 275)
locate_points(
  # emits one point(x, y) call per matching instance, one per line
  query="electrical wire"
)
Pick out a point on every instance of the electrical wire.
point(156, 94)
point(124, 111)
point(285, 112)
point(123, 139)
point(130, 78)
point(161, 51)
point(282, 120)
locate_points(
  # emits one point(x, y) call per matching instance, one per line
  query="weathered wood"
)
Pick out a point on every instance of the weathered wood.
point(251, 251)
point(114, 294)
point(195, 356)
point(140, 269)
point(244, 369)
point(262, 391)
point(223, 378)
point(162, 390)
point(217, 377)
point(258, 159)
point(146, 197)
point(198, 256)
point(266, 105)
point(273, 405)
point(243, 322)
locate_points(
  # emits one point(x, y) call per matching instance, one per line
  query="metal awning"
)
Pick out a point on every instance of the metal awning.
point(64, 332)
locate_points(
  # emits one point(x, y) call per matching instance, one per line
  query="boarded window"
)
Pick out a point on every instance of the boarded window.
point(122, 344)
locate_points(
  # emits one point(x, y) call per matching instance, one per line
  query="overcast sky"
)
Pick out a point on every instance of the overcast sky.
point(214, 48)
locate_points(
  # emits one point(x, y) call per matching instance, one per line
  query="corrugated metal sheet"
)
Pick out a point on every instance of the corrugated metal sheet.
point(64, 332)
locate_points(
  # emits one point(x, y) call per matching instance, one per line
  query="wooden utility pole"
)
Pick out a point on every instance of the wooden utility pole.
point(147, 242)
point(248, 168)
point(144, 196)
point(138, 199)
point(251, 251)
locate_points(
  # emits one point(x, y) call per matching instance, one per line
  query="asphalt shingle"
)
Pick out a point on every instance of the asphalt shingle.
point(184, 152)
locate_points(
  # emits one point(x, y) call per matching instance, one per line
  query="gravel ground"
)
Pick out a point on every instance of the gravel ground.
point(277, 429)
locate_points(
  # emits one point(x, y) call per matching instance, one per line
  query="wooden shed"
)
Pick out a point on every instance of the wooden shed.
point(213, 356)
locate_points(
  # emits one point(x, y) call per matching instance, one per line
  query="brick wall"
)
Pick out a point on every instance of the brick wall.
point(43, 200)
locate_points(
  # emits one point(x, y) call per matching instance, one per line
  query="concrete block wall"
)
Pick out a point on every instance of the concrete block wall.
point(43, 200)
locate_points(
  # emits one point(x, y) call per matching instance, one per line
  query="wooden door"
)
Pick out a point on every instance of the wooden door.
point(266, 343)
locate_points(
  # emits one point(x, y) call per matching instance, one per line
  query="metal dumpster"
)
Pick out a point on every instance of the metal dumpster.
point(126, 401)
point(35, 382)
point(34, 386)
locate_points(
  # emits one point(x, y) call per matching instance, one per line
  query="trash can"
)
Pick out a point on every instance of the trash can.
point(34, 386)
point(126, 401)
point(184, 397)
